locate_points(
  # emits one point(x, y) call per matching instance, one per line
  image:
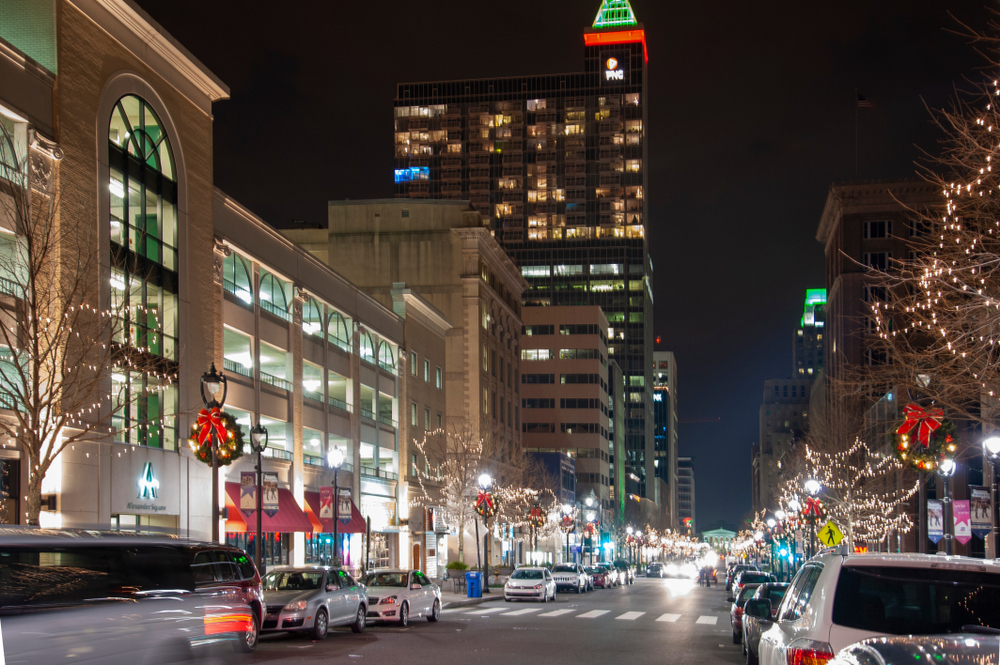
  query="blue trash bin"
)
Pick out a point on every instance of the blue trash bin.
point(474, 584)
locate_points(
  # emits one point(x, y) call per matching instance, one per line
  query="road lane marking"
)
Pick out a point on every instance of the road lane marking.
point(519, 612)
point(710, 620)
point(671, 618)
point(556, 613)
point(592, 614)
point(487, 610)
point(629, 616)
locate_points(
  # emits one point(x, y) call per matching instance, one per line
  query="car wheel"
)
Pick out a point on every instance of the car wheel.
point(554, 595)
point(404, 615)
point(506, 599)
point(737, 638)
point(578, 590)
point(435, 612)
point(360, 621)
point(321, 626)
point(247, 641)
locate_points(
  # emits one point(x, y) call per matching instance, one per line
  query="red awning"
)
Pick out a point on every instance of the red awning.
point(356, 525)
point(288, 519)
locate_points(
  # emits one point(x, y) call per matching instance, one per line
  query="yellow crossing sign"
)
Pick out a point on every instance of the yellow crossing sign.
point(830, 535)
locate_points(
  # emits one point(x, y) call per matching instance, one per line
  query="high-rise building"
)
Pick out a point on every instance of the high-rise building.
point(558, 165)
point(807, 344)
point(666, 427)
point(685, 495)
point(784, 416)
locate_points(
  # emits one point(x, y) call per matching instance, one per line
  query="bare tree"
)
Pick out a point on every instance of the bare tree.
point(63, 344)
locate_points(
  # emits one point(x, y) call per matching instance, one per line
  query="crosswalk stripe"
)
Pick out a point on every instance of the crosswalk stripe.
point(669, 617)
point(487, 610)
point(556, 613)
point(629, 616)
point(593, 614)
point(706, 619)
point(519, 612)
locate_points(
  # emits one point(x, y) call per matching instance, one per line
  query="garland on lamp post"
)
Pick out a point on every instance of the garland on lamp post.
point(230, 441)
point(924, 438)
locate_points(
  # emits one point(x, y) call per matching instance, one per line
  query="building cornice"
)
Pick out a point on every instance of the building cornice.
point(416, 303)
point(871, 196)
point(492, 249)
point(127, 23)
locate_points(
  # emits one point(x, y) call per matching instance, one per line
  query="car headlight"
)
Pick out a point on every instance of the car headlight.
point(296, 606)
point(537, 586)
point(388, 600)
point(574, 580)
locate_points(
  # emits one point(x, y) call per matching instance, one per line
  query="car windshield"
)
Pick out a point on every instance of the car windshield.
point(564, 568)
point(596, 571)
point(385, 579)
point(527, 575)
point(293, 580)
point(917, 601)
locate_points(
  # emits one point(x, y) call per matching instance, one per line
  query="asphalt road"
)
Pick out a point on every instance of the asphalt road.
point(652, 621)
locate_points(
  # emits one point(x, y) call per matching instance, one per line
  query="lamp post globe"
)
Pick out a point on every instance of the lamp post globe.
point(812, 486)
point(589, 501)
point(567, 509)
point(794, 505)
point(947, 468)
point(485, 481)
point(991, 446)
point(771, 523)
point(780, 514)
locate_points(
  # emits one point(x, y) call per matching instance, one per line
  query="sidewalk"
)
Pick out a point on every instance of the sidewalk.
point(452, 600)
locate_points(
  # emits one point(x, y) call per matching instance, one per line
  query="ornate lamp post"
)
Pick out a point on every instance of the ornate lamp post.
point(813, 510)
point(567, 524)
point(211, 382)
point(485, 482)
point(336, 461)
point(991, 446)
point(946, 469)
point(628, 539)
point(258, 442)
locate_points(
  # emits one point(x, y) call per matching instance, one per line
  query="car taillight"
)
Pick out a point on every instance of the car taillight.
point(808, 652)
point(739, 612)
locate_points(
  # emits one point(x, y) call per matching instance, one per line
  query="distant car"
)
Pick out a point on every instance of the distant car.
point(601, 576)
point(736, 610)
point(655, 569)
point(626, 571)
point(396, 595)
point(571, 577)
point(311, 599)
point(749, 577)
point(615, 574)
point(734, 571)
point(533, 583)
point(754, 621)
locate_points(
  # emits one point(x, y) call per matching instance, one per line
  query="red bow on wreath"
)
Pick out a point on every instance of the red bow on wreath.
point(813, 507)
point(208, 421)
point(925, 422)
point(484, 504)
point(567, 521)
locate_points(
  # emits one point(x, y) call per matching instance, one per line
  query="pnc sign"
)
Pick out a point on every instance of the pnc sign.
point(614, 70)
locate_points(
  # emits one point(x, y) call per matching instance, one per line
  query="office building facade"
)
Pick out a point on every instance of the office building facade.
point(685, 496)
point(666, 429)
point(807, 343)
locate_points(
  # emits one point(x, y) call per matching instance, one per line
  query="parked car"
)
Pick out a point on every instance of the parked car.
point(311, 599)
point(625, 571)
point(530, 583)
point(601, 577)
point(736, 610)
point(655, 569)
point(616, 575)
point(571, 577)
point(943, 649)
point(838, 599)
point(758, 617)
point(736, 570)
point(399, 595)
point(153, 598)
point(749, 577)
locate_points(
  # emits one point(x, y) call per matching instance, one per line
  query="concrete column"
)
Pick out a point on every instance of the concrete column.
point(298, 554)
point(356, 414)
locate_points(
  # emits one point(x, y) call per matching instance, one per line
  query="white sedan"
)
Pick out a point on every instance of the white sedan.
point(399, 595)
point(531, 583)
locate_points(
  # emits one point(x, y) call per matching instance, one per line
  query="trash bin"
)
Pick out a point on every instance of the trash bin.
point(474, 584)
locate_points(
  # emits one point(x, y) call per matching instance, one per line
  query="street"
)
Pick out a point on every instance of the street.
point(644, 623)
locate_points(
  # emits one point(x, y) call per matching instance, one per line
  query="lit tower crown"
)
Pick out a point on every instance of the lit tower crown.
point(614, 14)
point(616, 24)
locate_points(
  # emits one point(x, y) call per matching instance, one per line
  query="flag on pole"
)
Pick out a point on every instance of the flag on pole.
point(864, 102)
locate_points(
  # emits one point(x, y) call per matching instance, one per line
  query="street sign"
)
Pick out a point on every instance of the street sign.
point(830, 535)
point(575, 549)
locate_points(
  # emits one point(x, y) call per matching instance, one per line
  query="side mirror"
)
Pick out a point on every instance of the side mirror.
point(414, 587)
point(730, 599)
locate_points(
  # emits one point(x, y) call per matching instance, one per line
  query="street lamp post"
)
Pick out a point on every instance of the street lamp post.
point(258, 442)
point(485, 482)
point(946, 469)
point(812, 487)
point(991, 446)
point(567, 511)
point(631, 555)
point(211, 382)
point(336, 461)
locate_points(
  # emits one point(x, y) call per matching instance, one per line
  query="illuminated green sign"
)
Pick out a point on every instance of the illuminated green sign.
point(815, 303)
point(614, 14)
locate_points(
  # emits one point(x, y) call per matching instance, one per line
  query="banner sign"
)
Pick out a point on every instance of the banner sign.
point(269, 496)
point(963, 524)
point(982, 511)
point(935, 520)
point(344, 505)
point(326, 503)
point(248, 492)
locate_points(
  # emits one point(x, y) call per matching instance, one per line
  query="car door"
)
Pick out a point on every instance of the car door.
point(336, 599)
point(789, 623)
point(426, 591)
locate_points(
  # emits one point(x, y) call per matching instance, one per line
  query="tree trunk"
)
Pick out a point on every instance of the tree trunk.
point(34, 500)
point(461, 541)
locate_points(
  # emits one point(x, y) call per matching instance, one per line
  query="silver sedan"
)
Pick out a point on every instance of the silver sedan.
point(398, 595)
point(311, 599)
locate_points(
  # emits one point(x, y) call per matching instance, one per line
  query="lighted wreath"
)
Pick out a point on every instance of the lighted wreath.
point(227, 432)
point(536, 517)
point(924, 437)
point(486, 504)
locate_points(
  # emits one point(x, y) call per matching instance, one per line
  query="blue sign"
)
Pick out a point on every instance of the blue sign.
point(413, 173)
point(575, 549)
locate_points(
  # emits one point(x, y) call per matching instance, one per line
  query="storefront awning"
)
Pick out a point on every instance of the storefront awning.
point(356, 525)
point(288, 519)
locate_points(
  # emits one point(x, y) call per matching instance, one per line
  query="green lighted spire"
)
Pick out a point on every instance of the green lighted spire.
point(614, 14)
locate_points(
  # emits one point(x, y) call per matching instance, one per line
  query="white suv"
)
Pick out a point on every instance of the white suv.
point(836, 600)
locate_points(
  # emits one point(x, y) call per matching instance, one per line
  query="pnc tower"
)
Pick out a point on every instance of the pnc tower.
point(558, 164)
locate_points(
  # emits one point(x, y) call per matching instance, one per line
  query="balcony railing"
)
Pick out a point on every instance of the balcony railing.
point(275, 381)
point(367, 413)
point(387, 420)
point(339, 404)
point(312, 395)
point(237, 368)
point(277, 453)
point(387, 366)
point(244, 296)
point(375, 472)
point(271, 308)
point(10, 402)
point(341, 344)
point(10, 288)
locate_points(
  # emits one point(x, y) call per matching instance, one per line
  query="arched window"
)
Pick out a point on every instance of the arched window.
point(312, 318)
point(387, 357)
point(273, 296)
point(236, 277)
point(367, 348)
point(338, 331)
point(144, 284)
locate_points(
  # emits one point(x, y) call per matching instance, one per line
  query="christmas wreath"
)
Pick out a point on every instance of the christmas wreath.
point(924, 437)
point(227, 432)
point(536, 517)
point(485, 505)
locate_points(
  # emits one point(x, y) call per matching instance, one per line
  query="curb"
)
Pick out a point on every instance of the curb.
point(467, 602)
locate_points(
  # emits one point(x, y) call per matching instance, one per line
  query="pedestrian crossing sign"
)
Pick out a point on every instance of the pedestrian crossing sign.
point(830, 535)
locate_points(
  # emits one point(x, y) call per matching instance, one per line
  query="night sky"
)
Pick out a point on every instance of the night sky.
point(752, 117)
